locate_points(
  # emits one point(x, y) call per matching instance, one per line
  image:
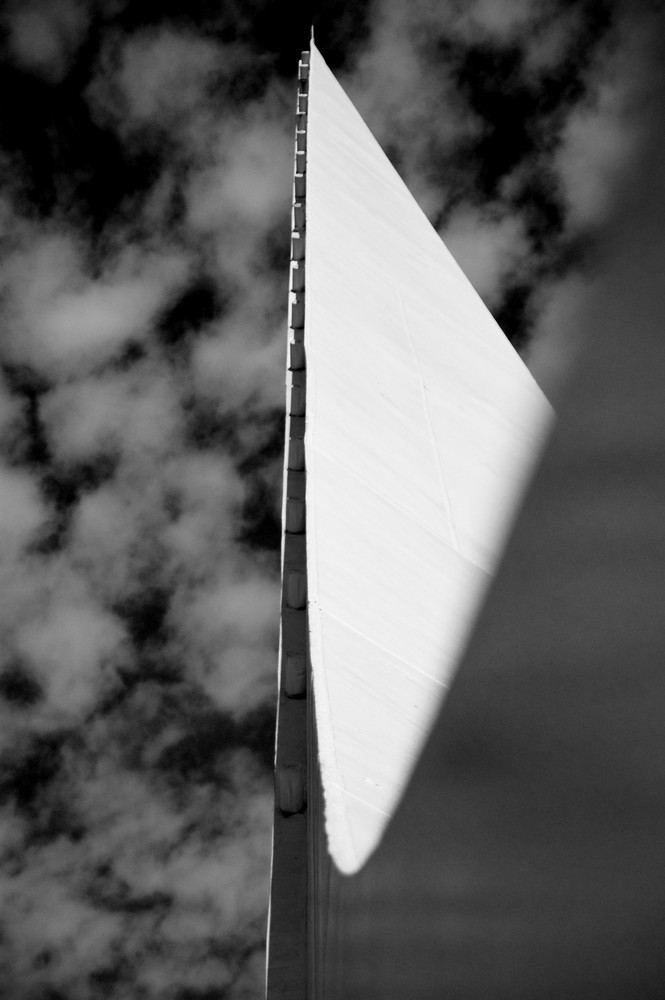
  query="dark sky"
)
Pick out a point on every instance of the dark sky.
point(145, 157)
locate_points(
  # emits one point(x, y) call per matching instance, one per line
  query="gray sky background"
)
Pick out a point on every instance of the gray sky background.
point(145, 161)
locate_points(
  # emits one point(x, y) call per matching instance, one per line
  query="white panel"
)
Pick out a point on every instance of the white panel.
point(422, 424)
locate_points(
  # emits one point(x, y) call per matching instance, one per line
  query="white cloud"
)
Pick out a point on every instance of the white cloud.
point(555, 344)
point(238, 365)
point(408, 95)
point(171, 521)
point(44, 34)
point(22, 511)
point(598, 144)
point(207, 852)
point(115, 537)
point(61, 635)
point(174, 528)
point(208, 492)
point(164, 73)
point(251, 981)
point(407, 101)
point(549, 40)
point(73, 647)
point(11, 413)
point(248, 181)
point(134, 414)
point(23, 584)
point(48, 919)
point(603, 133)
point(41, 264)
point(486, 245)
point(129, 823)
point(63, 320)
point(231, 633)
point(196, 860)
point(196, 970)
point(502, 20)
point(12, 830)
point(99, 316)
point(168, 81)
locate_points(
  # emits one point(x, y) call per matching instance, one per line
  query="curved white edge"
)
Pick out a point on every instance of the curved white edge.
point(422, 427)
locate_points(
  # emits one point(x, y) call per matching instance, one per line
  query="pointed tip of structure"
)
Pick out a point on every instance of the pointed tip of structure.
point(311, 34)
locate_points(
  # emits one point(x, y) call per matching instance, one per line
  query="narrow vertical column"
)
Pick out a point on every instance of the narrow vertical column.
point(287, 924)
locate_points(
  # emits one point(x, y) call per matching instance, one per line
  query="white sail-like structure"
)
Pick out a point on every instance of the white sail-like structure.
point(422, 424)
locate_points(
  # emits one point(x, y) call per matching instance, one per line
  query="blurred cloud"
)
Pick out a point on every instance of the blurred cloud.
point(68, 650)
point(556, 344)
point(506, 20)
point(10, 412)
point(486, 245)
point(140, 630)
point(43, 35)
point(514, 126)
point(132, 414)
point(249, 177)
point(163, 73)
point(61, 318)
point(408, 97)
point(602, 134)
point(155, 896)
point(232, 629)
point(239, 366)
point(22, 511)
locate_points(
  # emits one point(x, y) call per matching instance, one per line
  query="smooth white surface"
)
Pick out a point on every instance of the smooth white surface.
point(422, 425)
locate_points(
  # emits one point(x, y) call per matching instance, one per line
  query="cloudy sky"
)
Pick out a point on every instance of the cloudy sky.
point(145, 159)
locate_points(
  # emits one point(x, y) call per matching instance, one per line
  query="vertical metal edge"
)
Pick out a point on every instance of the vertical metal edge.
point(287, 931)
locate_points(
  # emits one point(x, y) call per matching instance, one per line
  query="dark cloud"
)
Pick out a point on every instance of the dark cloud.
point(17, 686)
point(492, 79)
point(195, 760)
point(260, 519)
point(193, 308)
point(30, 767)
point(343, 29)
point(145, 612)
point(27, 386)
point(62, 161)
point(499, 107)
point(514, 314)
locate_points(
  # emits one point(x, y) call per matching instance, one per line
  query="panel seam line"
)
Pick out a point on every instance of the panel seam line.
point(437, 458)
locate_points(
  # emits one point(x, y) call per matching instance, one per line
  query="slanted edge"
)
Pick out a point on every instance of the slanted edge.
point(286, 944)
